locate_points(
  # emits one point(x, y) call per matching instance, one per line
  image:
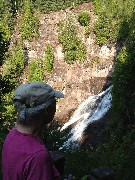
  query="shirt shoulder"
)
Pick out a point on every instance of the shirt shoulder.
point(23, 143)
point(40, 156)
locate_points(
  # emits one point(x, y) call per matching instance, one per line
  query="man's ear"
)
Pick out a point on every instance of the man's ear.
point(45, 112)
point(47, 109)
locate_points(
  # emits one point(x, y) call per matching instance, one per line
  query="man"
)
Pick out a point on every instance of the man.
point(24, 156)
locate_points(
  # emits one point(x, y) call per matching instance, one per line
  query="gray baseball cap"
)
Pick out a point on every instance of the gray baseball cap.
point(33, 94)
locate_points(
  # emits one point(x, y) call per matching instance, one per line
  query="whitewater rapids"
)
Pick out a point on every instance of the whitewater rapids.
point(92, 109)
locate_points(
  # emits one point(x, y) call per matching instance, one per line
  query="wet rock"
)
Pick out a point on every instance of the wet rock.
point(59, 160)
point(95, 135)
point(101, 173)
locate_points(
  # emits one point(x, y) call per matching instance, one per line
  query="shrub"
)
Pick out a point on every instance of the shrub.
point(6, 27)
point(46, 6)
point(84, 18)
point(81, 52)
point(101, 29)
point(35, 71)
point(49, 58)
point(73, 47)
point(12, 69)
point(14, 64)
point(52, 136)
point(87, 31)
point(29, 23)
point(70, 56)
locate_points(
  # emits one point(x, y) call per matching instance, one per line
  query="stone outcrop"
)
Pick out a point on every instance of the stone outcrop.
point(77, 81)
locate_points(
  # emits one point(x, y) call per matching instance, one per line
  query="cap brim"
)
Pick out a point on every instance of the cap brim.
point(58, 94)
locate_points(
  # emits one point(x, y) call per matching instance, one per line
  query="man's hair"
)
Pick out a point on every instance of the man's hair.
point(32, 116)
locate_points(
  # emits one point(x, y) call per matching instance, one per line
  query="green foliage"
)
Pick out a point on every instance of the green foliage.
point(118, 155)
point(124, 86)
point(6, 26)
point(84, 18)
point(101, 29)
point(84, 177)
point(70, 56)
point(72, 158)
point(49, 58)
point(73, 48)
point(6, 14)
point(112, 16)
point(87, 31)
point(55, 5)
point(123, 102)
point(8, 112)
point(14, 62)
point(52, 136)
point(12, 69)
point(35, 71)
point(123, 106)
point(5, 31)
point(18, 6)
point(29, 23)
point(81, 51)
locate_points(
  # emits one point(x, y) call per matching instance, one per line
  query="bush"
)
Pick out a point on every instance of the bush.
point(47, 6)
point(73, 47)
point(29, 23)
point(84, 18)
point(101, 29)
point(87, 31)
point(13, 68)
point(52, 137)
point(70, 56)
point(118, 155)
point(14, 64)
point(6, 27)
point(49, 58)
point(35, 71)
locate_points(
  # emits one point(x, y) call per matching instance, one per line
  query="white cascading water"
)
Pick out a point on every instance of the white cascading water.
point(92, 109)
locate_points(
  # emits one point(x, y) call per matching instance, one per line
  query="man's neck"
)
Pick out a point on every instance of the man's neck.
point(27, 130)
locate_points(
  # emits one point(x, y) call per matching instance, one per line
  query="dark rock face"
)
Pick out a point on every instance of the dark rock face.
point(101, 173)
point(95, 135)
point(108, 83)
point(58, 160)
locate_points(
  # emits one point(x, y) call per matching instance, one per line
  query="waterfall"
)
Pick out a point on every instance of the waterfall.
point(92, 109)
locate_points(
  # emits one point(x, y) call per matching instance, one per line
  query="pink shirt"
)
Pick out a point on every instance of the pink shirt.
point(24, 157)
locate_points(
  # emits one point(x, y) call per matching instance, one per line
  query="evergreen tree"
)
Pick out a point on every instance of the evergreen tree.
point(35, 71)
point(49, 58)
point(6, 26)
point(29, 23)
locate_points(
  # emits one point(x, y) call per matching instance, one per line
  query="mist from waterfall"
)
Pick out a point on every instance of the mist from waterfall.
point(92, 109)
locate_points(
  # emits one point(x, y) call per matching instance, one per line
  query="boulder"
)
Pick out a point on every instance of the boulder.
point(101, 173)
point(58, 160)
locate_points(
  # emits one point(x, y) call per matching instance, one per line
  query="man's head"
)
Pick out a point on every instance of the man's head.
point(35, 101)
